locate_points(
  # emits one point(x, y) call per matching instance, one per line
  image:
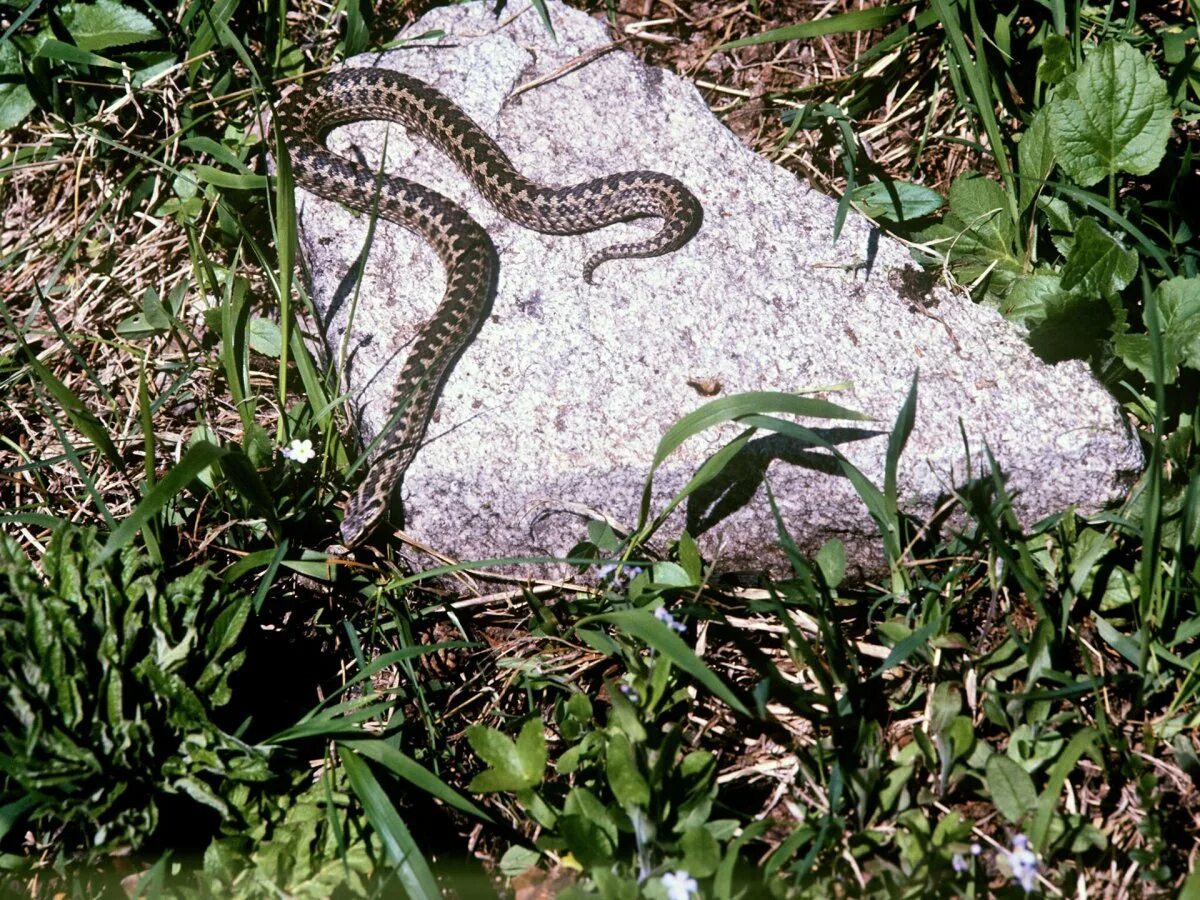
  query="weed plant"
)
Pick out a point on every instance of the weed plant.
point(198, 703)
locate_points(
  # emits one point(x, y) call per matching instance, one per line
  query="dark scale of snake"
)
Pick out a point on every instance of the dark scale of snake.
point(352, 95)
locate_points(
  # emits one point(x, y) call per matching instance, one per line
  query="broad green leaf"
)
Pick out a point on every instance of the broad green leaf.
point(1112, 116)
point(669, 574)
point(1011, 788)
point(1179, 319)
point(831, 560)
point(1035, 159)
point(979, 203)
point(106, 23)
point(1098, 265)
point(978, 236)
point(947, 702)
point(689, 558)
point(583, 802)
point(15, 100)
point(701, 853)
point(899, 201)
point(1032, 298)
point(588, 828)
point(518, 859)
point(1060, 221)
point(264, 337)
point(627, 783)
point(513, 765)
point(1191, 887)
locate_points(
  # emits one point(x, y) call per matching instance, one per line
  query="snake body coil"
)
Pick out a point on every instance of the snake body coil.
point(352, 95)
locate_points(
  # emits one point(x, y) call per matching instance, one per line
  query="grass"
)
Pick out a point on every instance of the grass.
point(197, 703)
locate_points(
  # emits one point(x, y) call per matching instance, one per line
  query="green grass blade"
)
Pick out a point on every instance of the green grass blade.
point(858, 20)
point(1082, 742)
point(733, 408)
point(411, 867)
point(84, 420)
point(645, 627)
point(198, 458)
point(414, 773)
point(977, 88)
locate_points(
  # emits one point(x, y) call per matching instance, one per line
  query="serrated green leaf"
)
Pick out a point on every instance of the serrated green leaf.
point(513, 765)
point(1056, 59)
point(1060, 221)
point(1113, 115)
point(106, 23)
point(977, 235)
point(1098, 265)
point(1179, 320)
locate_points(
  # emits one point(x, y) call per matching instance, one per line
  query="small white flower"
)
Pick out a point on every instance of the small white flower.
point(629, 691)
point(959, 863)
point(664, 615)
point(299, 451)
point(680, 885)
point(1023, 862)
point(976, 849)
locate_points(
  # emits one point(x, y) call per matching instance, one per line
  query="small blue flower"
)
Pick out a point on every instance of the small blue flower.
point(680, 885)
point(976, 849)
point(623, 573)
point(959, 864)
point(1023, 862)
point(629, 692)
point(664, 615)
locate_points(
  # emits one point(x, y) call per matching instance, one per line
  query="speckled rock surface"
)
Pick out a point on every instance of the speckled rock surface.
point(554, 412)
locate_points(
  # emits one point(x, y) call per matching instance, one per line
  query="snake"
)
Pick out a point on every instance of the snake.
point(305, 118)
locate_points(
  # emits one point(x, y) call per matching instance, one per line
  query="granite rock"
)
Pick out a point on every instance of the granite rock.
point(553, 413)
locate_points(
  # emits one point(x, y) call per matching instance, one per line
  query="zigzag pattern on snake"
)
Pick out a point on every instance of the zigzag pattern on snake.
point(351, 95)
